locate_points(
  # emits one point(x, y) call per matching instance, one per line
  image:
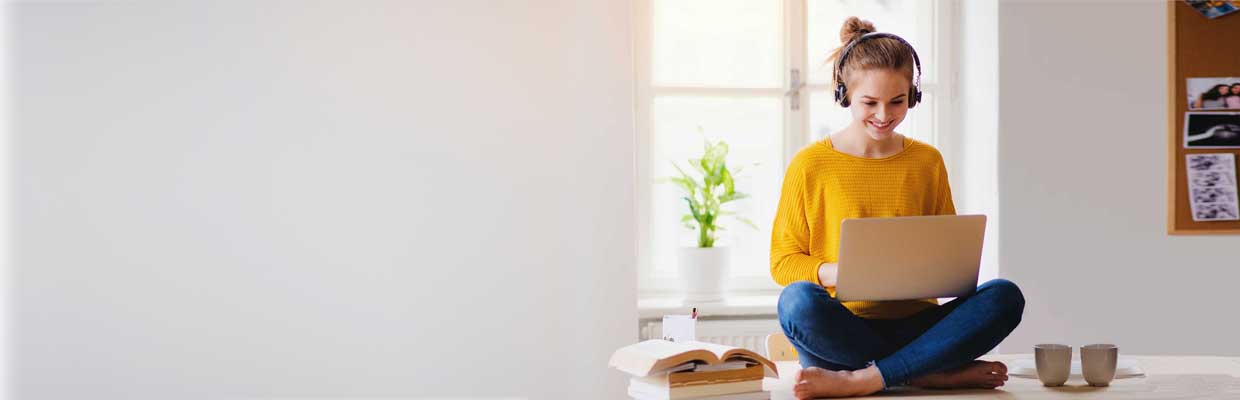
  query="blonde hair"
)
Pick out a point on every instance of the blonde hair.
point(883, 52)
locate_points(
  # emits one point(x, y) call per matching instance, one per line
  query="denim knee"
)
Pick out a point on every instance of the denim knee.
point(796, 296)
point(797, 299)
point(1007, 295)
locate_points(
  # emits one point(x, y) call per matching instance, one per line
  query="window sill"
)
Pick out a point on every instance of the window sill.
point(739, 305)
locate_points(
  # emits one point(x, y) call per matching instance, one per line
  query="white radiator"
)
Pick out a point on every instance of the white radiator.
point(746, 333)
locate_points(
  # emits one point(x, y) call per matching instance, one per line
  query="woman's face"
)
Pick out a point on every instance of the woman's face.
point(1235, 89)
point(1222, 90)
point(879, 100)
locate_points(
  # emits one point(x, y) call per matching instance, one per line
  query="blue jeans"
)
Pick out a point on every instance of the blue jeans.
point(943, 337)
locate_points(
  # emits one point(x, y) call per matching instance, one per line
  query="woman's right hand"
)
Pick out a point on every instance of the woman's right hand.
point(828, 273)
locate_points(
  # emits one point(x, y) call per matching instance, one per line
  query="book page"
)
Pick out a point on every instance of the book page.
point(652, 356)
point(656, 355)
point(660, 349)
point(718, 349)
point(722, 352)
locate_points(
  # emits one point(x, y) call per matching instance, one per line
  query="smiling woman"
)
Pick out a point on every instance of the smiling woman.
point(754, 73)
point(865, 170)
point(883, 96)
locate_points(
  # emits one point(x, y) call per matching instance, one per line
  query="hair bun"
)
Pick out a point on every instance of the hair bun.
point(855, 28)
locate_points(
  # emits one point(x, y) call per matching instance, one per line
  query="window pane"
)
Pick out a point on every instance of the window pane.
point(900, 17)
point(826, 117)
point(718, 43)
point(753, 129)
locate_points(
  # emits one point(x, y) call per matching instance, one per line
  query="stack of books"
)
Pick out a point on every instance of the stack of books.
point(665, 370)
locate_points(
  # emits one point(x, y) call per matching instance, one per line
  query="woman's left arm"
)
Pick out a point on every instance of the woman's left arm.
point(944, 205)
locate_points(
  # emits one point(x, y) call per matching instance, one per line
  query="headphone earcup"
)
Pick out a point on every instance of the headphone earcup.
point(914, 97)
point(841, 95)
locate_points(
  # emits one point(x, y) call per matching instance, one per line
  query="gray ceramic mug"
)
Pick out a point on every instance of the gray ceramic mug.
point(1098, 363)
point(1054, 362)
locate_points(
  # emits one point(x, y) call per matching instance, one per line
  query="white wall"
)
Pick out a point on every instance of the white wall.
point(1082, 180)
point(321, 199)
point(973, 147)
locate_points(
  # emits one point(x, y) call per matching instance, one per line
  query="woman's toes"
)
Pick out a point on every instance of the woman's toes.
point(804, 390)
point(801, 390)
point(991, 366)
point(999, 368)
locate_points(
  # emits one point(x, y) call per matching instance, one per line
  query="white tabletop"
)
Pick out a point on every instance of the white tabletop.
point(1166, 377)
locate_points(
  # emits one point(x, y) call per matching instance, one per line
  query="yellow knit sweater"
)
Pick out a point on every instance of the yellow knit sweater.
point(824, 186)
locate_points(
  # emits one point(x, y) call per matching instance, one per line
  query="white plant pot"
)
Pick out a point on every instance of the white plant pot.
point(703, 272)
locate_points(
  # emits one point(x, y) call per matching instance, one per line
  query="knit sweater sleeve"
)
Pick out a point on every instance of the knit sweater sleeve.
point(790, 257)
point(945, 205)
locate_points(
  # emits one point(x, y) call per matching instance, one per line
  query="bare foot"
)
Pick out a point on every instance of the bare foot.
point(814, 382)
point(977, 374)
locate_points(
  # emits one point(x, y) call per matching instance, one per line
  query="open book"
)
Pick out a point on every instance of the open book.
point(658, 356)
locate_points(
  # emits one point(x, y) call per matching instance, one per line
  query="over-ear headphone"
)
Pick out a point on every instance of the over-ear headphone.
point(841, 92)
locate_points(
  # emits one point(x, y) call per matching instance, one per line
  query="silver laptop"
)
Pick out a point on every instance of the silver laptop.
point(904, 258)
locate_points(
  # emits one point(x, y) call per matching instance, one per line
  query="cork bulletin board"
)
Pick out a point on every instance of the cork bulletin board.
point(1196, 47)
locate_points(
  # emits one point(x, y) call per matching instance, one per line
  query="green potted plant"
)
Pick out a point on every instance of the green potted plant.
point(704, 268)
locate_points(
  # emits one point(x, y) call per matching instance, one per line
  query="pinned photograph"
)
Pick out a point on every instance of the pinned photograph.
point(1206, 179)
point(1212, 191)
point(1214, 8)
point(1204, 130)
point(1213, 93)
point(1216, 212)
point(1209, 162)
point(1213, 195)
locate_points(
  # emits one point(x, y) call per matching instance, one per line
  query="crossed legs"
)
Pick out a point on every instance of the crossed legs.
point(844, 354)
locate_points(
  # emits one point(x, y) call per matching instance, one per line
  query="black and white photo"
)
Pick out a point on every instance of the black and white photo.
point(1206, 162)
point(1215, 212)
point(1205, 130)
point(1213, 195)
point(1212, 192)
point(1211, 178)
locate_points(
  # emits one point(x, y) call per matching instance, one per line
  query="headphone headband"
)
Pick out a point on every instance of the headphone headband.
point(841, 91)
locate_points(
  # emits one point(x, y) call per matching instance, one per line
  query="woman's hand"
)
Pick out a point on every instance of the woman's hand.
point(828, 273)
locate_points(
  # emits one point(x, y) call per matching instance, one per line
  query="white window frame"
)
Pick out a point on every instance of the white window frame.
point(939, 80)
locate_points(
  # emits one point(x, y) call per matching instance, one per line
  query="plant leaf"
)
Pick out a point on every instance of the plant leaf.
point(685, 184)
point(693, 209)
point(746, 221)
point(684, 180)
point(729, 187)
point(716, 152)
point(682, 172)
point(697, 164)
point(733, 197)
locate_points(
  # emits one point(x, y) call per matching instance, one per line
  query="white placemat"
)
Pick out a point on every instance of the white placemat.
point(1027, 368)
